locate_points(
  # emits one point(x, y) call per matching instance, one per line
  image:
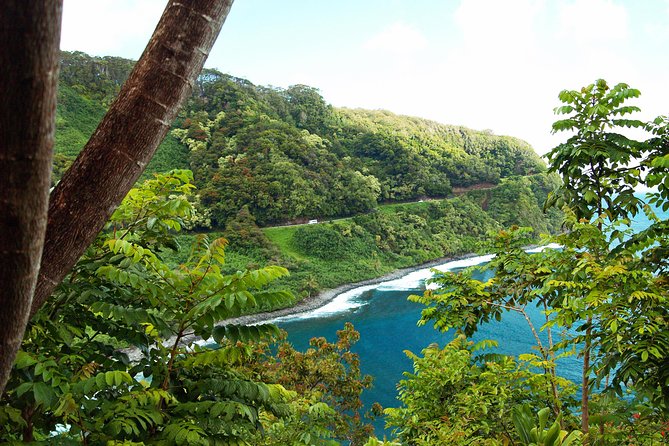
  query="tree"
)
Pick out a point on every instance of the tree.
point(309, 110)
point(327, 372)
point(109, 165)
point(605, 286)
point(458, 396)
point(595, 165)
point(464, 303)
point(596, 162)
point(30, 33)
point(124, 301)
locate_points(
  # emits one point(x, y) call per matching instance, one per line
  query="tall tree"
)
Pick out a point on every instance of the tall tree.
point(30, 35)
point(598, 178)
point(111, 162)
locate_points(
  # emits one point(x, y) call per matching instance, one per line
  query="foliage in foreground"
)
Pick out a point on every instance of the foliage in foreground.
point(455, 395)
point(603, 295)
point(113, 357)
point(325, 372)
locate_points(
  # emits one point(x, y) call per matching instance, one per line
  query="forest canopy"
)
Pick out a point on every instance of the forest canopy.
point(286, 153)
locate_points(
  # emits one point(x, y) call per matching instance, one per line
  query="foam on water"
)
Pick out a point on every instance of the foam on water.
point(464, 263)
point(351, 299)
point(543, 248)
point(343, 302)
point(459, 264)
point(410, 281)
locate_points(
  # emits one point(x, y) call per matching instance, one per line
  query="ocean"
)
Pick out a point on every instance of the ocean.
point(387, 321)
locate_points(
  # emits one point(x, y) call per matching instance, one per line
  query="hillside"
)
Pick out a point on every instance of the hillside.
point(286, 153)
point(263, 156)
point(87, 85)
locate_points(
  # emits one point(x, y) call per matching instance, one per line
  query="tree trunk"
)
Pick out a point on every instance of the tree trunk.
point(128, 136)
point(585, 384)
point(30, 34)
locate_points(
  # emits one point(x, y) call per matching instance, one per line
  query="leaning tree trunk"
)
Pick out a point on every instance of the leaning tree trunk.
point(30, 34)
point(128, 135)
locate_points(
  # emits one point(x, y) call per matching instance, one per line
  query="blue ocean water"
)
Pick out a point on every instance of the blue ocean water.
point(386, 321)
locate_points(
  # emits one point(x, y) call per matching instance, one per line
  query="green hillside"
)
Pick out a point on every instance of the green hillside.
point(290, 156)
point(87, 85)
point(393, 236)
point(381, 185)
point(286, 153)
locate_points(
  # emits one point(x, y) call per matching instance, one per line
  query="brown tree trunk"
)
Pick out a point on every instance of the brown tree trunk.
point(29, 36)
point(128, 136)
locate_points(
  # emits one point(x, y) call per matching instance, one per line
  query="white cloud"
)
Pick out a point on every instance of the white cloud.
point(109, 27)
point(490, 25)
point(593, 21)
point(495, 64)
point(493, 77)
point(397, 38)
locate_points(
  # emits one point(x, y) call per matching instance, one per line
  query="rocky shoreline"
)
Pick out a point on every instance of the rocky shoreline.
point(312, 303)
point(326, 296)
point(306, 305)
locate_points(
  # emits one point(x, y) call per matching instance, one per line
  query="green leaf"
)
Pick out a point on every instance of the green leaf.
point(552, 436)
point(24, 360)
point(43, 394)
point(23, 388)
point(151, 222)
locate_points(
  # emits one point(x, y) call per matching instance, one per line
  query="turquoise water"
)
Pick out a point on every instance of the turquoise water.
point(386, 321)
point(387, 325)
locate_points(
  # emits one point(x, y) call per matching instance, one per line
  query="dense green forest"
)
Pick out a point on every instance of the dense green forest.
point(286, 153)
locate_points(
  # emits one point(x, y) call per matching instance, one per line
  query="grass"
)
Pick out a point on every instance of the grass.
point(281, 236)
point(405, 207)
point(76, 119)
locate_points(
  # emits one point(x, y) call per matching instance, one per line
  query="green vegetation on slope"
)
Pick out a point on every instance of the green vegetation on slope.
point(264, 155)
point(87, 86)
point(77, 116)
point(429, 156)
point(286, 154)
point(332, 253)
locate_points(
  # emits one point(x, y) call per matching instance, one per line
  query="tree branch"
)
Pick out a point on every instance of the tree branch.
point(128, 136)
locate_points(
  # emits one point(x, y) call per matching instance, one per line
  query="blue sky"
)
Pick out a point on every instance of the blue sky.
point(485, 64)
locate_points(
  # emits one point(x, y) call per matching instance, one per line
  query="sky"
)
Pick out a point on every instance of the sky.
point(486, 64)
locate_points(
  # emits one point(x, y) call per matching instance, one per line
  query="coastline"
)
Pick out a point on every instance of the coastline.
point(316, 301)
point(306, 305)
point(326, 296)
